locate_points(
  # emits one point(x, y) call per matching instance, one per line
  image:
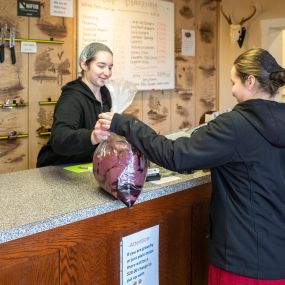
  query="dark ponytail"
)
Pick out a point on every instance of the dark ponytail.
point(261, 64)
point(277, 80)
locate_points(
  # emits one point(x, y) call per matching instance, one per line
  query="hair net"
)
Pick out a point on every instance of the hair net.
point(91, 50)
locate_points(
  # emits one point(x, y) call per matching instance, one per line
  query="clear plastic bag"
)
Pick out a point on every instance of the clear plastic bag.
point(122, 94)
point(120, 169)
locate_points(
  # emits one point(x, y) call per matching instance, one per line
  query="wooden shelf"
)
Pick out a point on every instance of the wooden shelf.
point(13, 137)
point(47, 102)
point(51, 41)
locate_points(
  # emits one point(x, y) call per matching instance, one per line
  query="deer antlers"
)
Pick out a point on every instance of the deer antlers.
point(243, 20)
point(228, 18)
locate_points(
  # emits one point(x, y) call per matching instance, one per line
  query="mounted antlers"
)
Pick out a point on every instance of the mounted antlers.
point(243, 20)
point(237, 31)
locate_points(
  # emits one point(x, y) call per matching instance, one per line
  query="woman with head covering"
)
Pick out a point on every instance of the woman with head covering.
point(73, 137)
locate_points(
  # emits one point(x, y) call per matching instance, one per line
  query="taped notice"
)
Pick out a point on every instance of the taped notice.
point(139, 257)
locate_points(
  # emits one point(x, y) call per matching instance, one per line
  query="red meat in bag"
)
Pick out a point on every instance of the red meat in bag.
point(119, 169)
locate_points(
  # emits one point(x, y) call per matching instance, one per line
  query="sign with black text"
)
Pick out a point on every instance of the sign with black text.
point(140, 34)
point(139, 258)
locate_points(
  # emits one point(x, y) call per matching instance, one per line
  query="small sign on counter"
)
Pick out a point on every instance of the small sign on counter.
point(139, 257)
point(78, 168)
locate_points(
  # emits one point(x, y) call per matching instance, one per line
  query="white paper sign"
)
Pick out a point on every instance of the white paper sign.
point(29, 47)
point(61, 8)
point(140, 34)
point(188, 42)
point(139, 257)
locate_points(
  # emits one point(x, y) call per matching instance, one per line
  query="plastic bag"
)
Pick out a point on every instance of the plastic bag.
point(122, 94)
point(119, 169)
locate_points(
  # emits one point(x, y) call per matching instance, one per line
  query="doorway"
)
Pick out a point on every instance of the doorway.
point(273, 39)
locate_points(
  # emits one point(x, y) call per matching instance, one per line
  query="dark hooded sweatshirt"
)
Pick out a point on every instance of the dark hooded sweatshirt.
point(75, 116)
point(245, 150)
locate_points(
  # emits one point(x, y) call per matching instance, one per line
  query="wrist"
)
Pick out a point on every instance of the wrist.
point(94, 140)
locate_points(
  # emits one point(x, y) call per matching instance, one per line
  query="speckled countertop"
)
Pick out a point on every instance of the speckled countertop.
point(36, 200)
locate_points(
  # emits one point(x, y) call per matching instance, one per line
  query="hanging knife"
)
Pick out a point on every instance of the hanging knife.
point(2, 43)
point(12, 45)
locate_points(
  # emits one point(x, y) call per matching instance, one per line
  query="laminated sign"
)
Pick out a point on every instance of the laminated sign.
point(139, 258)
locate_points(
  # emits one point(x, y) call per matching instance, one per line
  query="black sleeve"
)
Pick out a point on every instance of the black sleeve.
point(210, 146)
point(68, 136)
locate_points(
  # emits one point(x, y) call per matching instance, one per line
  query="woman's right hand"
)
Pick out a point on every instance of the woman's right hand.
point(99, 133)
point(105, 120)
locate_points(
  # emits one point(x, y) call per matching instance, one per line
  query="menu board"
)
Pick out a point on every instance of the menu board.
point(140, 34)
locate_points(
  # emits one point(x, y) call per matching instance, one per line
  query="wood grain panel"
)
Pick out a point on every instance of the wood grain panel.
point(13, 155)
point(206, 67)
point(182, 110)
point(90, 249)
point(31, 270)
point(49, 69)
point(199, 242)
point(135, 109)
point(15, 119)
point(13, 87)
point(156, 110)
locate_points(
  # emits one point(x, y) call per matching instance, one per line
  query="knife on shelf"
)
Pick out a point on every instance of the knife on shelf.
point(2, 43)
point(12, 45)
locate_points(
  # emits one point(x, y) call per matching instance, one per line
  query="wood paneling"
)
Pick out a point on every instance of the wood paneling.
point(206, 58)
point(90, 249)
point(35, 77)
point(156, 110)
point(30, 270)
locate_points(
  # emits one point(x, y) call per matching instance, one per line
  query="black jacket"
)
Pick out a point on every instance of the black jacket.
point(75, 116)
point(245, 149)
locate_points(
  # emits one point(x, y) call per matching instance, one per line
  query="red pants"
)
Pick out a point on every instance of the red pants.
point(219, 276)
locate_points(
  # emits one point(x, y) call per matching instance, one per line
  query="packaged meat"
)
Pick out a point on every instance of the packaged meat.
point(120, 169)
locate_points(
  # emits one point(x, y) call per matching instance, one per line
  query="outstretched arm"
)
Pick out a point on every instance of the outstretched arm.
point(211, 146)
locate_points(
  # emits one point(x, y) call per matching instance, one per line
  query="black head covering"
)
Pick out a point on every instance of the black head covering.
point(269, 63)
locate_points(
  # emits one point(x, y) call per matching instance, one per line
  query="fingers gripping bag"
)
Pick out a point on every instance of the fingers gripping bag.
point(120, 169)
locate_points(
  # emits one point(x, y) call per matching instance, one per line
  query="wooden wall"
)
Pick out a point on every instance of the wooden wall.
point(37, 77)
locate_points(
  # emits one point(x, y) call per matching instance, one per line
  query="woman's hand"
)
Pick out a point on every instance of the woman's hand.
point(105, 120)
point(99, 134)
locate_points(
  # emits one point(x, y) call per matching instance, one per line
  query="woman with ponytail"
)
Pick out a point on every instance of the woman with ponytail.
point(245, 150)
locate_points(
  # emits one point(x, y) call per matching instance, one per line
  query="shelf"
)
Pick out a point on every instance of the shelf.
point(36, 40)
point(13, 136)
point(13, 105)
point(47, 102)
point(44, 134)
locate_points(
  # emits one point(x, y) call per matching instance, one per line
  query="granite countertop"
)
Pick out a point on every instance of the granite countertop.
point(40, 199)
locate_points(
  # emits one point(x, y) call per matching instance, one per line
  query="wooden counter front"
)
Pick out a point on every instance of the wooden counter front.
point(88, 252)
